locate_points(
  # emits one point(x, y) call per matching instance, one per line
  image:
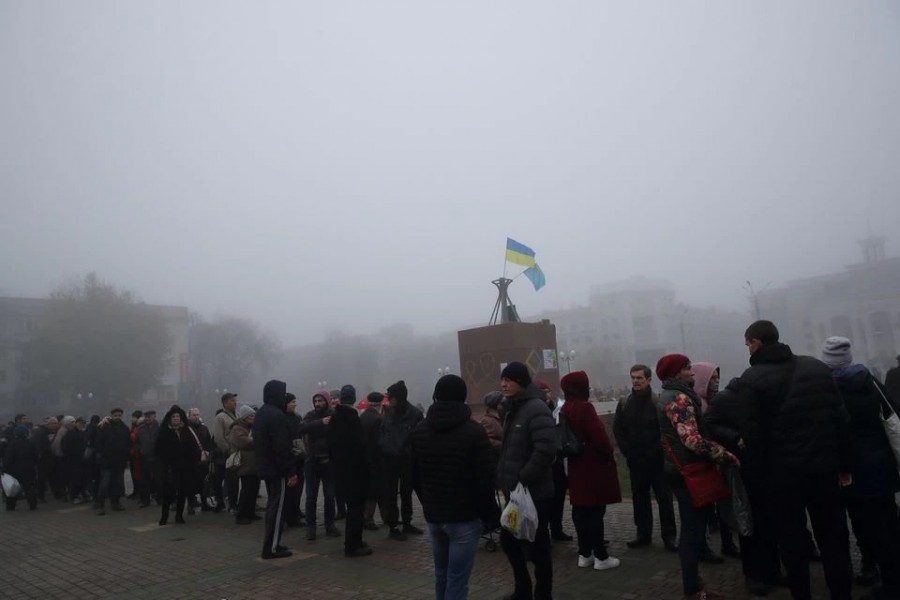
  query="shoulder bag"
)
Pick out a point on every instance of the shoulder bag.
point(702, 479)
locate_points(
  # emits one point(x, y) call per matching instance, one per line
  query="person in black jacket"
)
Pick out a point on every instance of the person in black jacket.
point(198, 481)
point(636, 429)
point(399, 421)
point(346, 444)
point(73, 446)
point(371, 424)
point(292, 514)
point(454, 480)
point(275, 462)
point(870, 497)
point(796, 427)
point(317, 467)
point(529, 449)
point(112, 446)
point(178, 453)
point(21, 460)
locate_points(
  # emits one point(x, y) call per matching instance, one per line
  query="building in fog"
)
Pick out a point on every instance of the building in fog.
point(860, 302)
point(20, 320)
point(638, 321)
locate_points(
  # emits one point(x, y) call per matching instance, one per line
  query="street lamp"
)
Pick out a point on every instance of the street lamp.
point(568, 357)
point(444, 371)
point(89, 395)
point(749, 287)
point(322, 384)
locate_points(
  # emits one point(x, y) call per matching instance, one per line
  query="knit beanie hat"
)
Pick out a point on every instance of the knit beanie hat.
point(541, 384)
point(836, 353)
point(450, 388)
point(348, 394)
point(671, 365)
point(398, 391)
point(244, 411)
point(493, 399)
point(518, 372)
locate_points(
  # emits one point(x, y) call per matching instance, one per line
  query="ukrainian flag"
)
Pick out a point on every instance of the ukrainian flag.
point(519, 254)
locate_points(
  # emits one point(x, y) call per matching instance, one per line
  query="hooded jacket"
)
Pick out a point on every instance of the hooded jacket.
point(21, 457)
point(176, 448)
point(272, 434)
point(346, 445)
point(397, 425)
point(452, 466)
point(703, 372)
point(529, 446)
point(315, 430)
point(593, 476)
point(875, 468)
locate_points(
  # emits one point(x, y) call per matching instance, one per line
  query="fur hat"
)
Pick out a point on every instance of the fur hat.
point(836, 353)
point(450, 388)
point(518, 372)
point(671, 365)
point(493, 399)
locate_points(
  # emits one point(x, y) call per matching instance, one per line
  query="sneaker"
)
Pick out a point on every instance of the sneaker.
point(585, 561)
point(396, 534)
point(638, 542)
point(276, 554)
point(412, 529)
point(610, 563)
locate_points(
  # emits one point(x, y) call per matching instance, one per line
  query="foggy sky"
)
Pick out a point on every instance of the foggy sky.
point(315, 165)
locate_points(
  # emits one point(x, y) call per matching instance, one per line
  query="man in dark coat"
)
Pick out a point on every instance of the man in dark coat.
point(20, 460)
point(73, 446)
point(892, 384)
point(529, 449)
point(317, 467)
point(113, 444)
point(454, 479)
point(346, 444)
point(275, 462)
point(400, 419)
point(797, 428)
point(636, 429)
point(371, 424)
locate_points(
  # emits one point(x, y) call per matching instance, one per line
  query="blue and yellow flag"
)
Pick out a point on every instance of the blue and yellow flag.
point(536, 276)
point(519, 254)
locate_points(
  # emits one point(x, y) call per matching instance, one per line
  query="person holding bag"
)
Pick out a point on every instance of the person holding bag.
point(690, 455)
point(593, 477)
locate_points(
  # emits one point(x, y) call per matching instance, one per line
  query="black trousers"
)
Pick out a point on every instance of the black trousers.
point(292, 510)
point(820, 495)
point(398, 479)
point(589, 529)
point(74, 470)
point(353, 527)
point(275, 489)
point(519, 552)
point(560, 487)
point(759, 552)
point(246, 506)
point(646, 477)
point(877, 529)
point(175, 485)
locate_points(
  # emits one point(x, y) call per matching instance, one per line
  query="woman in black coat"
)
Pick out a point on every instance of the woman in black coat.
point(178, 452)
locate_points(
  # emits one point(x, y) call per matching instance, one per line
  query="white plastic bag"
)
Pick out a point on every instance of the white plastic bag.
point(520, 516)
point(11, 486)
point(233, 461)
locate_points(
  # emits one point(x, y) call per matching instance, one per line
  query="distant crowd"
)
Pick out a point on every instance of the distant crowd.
point(794, 441)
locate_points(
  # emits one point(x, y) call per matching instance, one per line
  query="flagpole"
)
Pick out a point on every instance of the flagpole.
point(505, 263)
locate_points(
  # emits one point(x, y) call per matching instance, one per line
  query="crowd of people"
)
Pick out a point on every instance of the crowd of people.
point(805, 437)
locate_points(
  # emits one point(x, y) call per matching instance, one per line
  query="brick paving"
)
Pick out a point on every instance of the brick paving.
point(61, 551)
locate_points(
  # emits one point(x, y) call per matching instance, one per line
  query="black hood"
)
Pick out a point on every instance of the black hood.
point(275, 392)
point(444, 416)
point(771, 353)
point(855, 378)
point(168, 417)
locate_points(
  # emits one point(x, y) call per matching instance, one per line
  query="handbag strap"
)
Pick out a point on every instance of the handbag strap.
point(196, 439)
point(886, 409)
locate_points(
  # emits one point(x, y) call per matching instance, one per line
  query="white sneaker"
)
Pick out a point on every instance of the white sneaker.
point(610, 563)
point(585, 561)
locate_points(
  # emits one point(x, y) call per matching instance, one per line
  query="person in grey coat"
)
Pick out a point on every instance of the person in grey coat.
point(529, 449)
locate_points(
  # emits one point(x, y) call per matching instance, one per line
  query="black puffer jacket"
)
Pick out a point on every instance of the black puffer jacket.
point(316, 434)
point(272, 434)
point(452, 466)
point(112, 445)
point(346, 444)
point(21, 458)
point(74, 445)
point(636, 429)
point(176, 448)
point(371, 424)
point(797, 426)
point(396, 426)
point(529, 447)
point(875, 472)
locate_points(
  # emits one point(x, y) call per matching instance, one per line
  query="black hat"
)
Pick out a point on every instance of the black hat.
point(150, 412)
point(518, 372)
point(137, 414)
point(348, 394)
point(375, 399)
point(398, 391)
point(450, 388)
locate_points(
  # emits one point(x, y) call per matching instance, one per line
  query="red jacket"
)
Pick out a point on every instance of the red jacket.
point(593, 477)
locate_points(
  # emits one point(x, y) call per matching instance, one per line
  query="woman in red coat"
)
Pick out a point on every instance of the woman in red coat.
point(593, 479)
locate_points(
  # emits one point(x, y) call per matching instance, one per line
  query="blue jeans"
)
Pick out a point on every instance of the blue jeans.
point(453, 546)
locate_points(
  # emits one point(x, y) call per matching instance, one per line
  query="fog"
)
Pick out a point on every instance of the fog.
point(349, 165)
